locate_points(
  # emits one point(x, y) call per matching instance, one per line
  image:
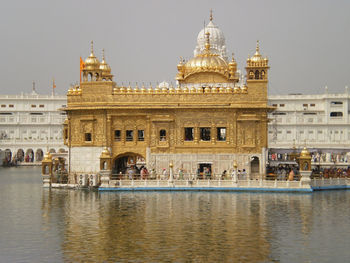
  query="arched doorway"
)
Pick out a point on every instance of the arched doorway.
point(61, 150)
point(52, 151)
point(29, 158)
point(39, 155)
point(8, 158)
point(20, 155)
point(122, 163)
point(255, 166)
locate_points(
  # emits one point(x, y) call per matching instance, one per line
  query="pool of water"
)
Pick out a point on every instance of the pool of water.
point(43, 225)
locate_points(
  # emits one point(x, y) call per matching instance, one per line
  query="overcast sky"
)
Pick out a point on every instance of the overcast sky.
point(306, 41)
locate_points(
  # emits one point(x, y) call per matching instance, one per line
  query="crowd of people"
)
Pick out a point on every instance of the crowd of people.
point(143, 173)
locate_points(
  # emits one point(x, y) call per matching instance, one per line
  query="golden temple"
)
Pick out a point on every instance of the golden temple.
point(210, 119)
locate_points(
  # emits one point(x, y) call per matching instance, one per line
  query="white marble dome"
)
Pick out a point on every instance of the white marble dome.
point(164, 84)
point(216, 40)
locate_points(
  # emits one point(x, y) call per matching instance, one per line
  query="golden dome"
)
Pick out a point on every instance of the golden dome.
point(105, 153)
point(257, 59)
point(206, 61)
point(305, 153)
point(257, 56)
point(47, 157)
point(103, 65)
point(92, 62)
point(203, 62)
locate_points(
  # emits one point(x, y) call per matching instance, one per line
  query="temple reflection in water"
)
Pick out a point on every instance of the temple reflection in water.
point(188, 226)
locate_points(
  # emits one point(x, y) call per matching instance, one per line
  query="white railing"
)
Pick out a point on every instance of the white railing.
point(269, 184)
point(330, 182)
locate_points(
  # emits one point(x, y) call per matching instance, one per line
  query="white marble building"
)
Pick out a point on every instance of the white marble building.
point(30, 125)
point(321, 122)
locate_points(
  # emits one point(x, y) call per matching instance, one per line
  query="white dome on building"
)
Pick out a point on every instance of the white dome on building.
point(216, 39)
point(164, 84)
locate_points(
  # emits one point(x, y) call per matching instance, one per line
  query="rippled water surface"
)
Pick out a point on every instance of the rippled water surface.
point(42, 225)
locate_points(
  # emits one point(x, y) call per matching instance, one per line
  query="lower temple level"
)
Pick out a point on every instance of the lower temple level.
point(216, 185)
point(89, 160)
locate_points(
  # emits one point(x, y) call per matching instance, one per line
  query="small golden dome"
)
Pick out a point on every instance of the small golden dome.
point(229, 89)
point(92, 63)
point(257, 56)
point(305, 153)
point(105, 153)
point(103, 65)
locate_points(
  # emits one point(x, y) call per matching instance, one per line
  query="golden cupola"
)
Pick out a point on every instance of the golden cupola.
point(305, 153)
point(92, 63)
point(105, 68)
point(257, 59)
point(257, 65)
point(205, 67)
point(232, 66)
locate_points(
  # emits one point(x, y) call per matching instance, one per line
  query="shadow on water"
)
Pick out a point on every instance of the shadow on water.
point(72, 225)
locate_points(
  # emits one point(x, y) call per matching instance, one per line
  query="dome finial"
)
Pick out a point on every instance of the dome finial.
point(211, 15)
point(92, 47)
point(207, 44)
point(257, 47)
point(103, 54)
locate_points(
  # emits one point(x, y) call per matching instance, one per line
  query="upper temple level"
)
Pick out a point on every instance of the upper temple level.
point(207, 78)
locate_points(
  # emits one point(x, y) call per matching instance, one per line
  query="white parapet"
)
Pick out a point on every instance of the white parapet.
point(85, 159)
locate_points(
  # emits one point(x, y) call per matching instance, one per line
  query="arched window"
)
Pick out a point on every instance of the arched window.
point(251, 74)
point(257, 74)
point(263, 74)
point(89, 76)
point(162, 135)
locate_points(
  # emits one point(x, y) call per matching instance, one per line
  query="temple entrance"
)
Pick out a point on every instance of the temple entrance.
point(255, 166)
point(204, 171)
point(129, 161)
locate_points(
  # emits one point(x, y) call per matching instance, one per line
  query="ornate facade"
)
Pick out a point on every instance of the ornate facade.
point(210, 119)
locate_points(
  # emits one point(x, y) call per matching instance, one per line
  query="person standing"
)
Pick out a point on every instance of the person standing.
point(165, 176)
point(181, 174)
point(130, 174)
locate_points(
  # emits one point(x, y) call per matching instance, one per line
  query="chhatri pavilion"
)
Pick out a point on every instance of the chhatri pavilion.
point(215, 116)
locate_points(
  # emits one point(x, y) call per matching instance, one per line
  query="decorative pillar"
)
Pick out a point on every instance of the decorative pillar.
point(108, 131)
point(234, 177)
point(105, 167)
point(196, 133)
point(305, 166)
point(213, 133)
point(46, 169)
point(171, 172)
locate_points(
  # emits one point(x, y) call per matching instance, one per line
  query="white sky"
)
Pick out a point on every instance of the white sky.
point(306, 41)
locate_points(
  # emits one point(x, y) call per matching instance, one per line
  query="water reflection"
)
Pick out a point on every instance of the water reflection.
point(42, 225)
point(160, 226)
